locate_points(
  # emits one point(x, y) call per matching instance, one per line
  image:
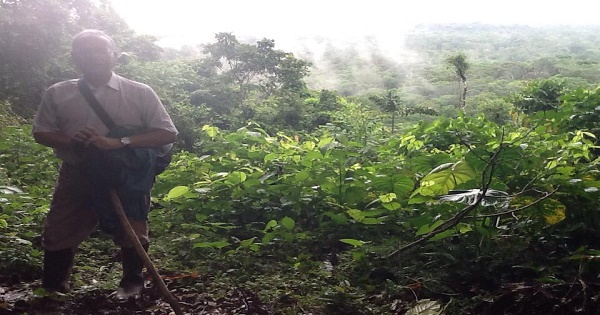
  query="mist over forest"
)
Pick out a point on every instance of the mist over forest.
point(498, 52)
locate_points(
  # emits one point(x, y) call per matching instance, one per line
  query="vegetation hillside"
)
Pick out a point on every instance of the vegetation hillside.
point(460, 177)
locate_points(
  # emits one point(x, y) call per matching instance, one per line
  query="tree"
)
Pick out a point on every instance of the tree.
point(256, 67)
point(35, 42)
point(539, 95)
point(318, 109)
point(460, 64)
point(31, 42)
point(390, 103)
point(142, 48)
point(243, 72)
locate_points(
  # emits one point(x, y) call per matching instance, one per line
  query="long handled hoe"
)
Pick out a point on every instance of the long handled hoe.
point(142, 253)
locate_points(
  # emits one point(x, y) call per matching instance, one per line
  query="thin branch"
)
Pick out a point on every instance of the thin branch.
point(547, 195)
point(486, 180)
point(142, 253)
point(457, 218)
point(448, 224)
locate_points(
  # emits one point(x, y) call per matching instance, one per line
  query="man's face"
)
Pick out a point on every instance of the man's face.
point(94, 55)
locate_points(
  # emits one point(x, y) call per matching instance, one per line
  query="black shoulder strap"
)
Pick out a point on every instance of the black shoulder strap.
point(94, 104)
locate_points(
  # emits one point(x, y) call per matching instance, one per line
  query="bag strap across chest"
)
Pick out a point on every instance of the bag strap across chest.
point(95, 105)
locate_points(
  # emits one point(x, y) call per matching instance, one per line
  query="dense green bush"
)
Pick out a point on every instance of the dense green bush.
point(27, 175)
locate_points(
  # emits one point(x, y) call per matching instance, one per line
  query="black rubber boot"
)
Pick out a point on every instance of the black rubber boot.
point(132, 282)
point(57, 270)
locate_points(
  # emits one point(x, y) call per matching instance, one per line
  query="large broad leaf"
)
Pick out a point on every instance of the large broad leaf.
point(398, 184)
point(557, 216)
point(236, 177)
point(553, 211)
point(422, 164)
point(354, 194)
point(549, 210)
point(444, 178)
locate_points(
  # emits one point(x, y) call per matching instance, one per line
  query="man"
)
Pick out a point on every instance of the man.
point(66, 122)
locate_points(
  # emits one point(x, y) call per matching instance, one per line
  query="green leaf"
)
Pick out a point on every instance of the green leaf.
point(236, 177)
point(302, 175)
point(356, 214)
point(392, 205)
point(270, 225)
point(288, 223)
point(373, 213)
point(329, 187)
point(387, 197)
point(310, 157)
point(3, 223)
point(358, 255)
point(373, 221)
point(177, 191)
point(338, 218)
point(218, 244)
point(416, 199)
point(40, 292)
point(444, 178)
point(201, 217)
point(325, 141)
point(309, 145)
point(354, 194)
point(442, 235)
point(400, 185)
point(267, 238)
point(343, 139)
point(211, 131)
point(465, 228)
point(270, 157)
point(340, 155)
point(428, 228)
point(353, 242)
point(247, 242)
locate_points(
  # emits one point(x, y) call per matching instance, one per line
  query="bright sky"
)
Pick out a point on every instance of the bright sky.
point(192, 22)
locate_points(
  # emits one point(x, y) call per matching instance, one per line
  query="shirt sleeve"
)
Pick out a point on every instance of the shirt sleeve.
point(45, 119)
point(155, 115)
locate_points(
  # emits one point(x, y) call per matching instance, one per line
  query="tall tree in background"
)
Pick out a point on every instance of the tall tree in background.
point(390, 103)
point(257, 67)
point(247, 72)
point(460, 64)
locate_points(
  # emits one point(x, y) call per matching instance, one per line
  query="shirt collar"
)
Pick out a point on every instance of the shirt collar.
point(114, 82)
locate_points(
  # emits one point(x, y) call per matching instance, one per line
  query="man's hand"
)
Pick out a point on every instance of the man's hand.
point(89, 136)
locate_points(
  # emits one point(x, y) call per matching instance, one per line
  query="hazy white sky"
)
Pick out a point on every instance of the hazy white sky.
point(178, 22)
